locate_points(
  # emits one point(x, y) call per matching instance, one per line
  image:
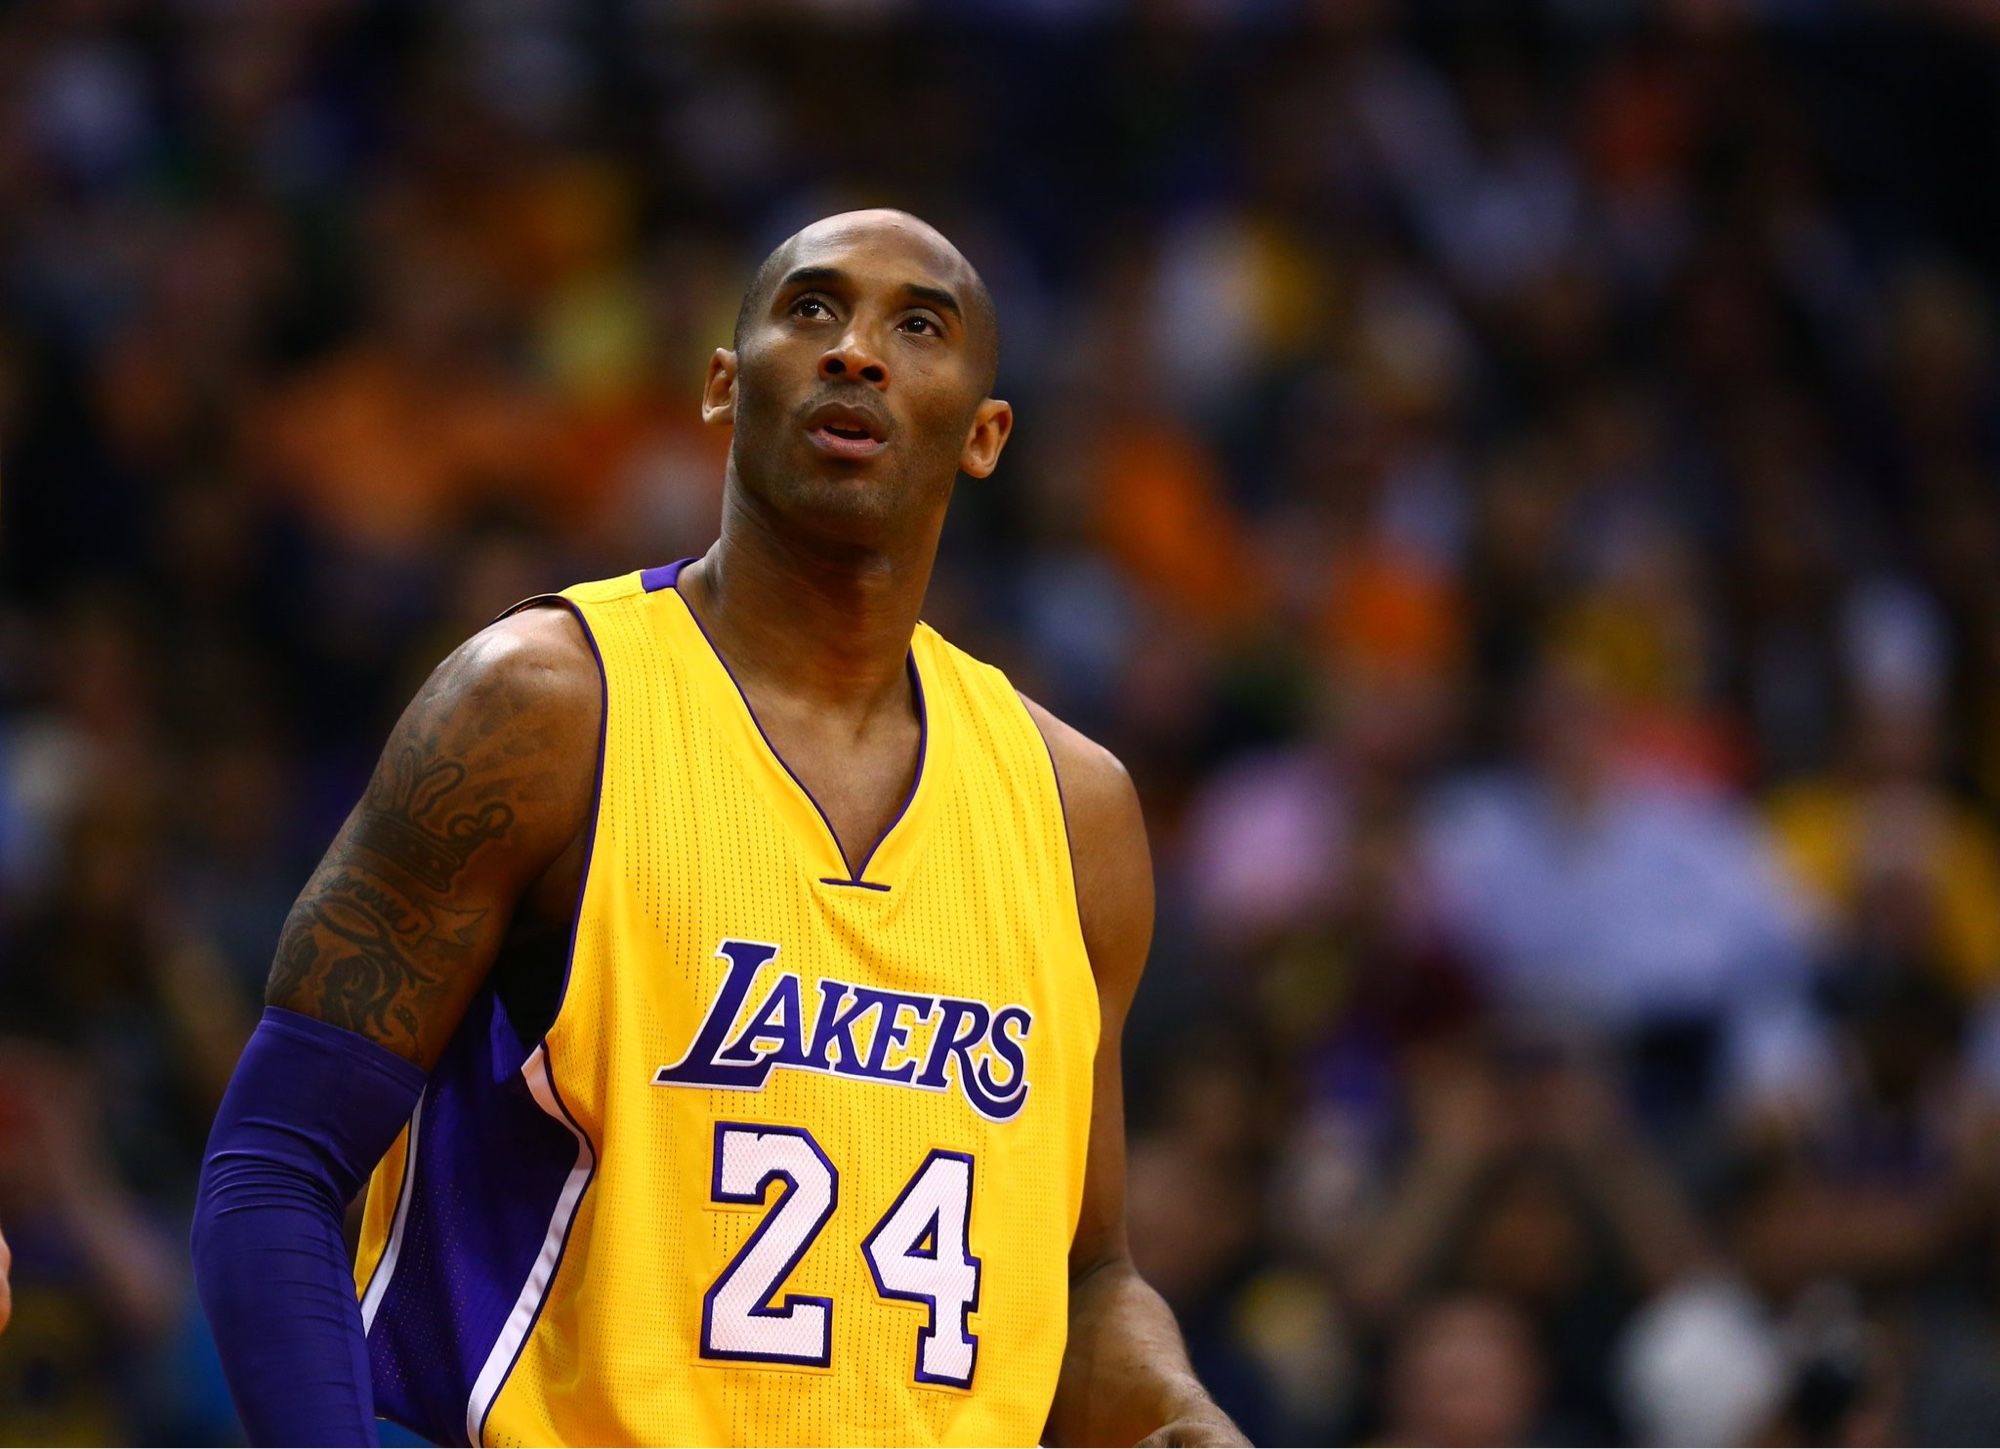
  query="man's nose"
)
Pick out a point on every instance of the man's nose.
point(853, 360)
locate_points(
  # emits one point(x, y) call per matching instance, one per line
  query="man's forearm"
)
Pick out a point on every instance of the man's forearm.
point(309, 1111)
point(1125, 1373)
point(272, 1274)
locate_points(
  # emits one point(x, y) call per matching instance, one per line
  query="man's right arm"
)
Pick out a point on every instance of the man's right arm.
point(484, 784)
point(481, 795)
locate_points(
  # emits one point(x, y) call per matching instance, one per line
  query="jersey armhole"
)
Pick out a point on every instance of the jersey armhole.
point(1069, 859)
point(576, 610)
point(1062, 813)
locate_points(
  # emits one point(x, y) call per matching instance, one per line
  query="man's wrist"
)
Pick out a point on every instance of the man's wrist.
point(1194, 1405)
point(1202, 1423)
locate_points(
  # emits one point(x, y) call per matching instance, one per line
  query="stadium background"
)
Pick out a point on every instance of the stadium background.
point(1515, 482)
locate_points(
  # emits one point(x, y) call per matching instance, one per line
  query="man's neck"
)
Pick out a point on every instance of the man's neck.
point(824, 622)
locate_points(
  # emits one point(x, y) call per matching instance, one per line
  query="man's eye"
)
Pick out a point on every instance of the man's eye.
point(926, 325)
point(817, 307)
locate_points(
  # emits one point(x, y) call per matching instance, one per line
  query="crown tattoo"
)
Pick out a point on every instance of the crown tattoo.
point(400, 831)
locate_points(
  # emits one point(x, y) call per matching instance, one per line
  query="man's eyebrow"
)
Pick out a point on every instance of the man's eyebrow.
point(937, 296)
point(812, 274)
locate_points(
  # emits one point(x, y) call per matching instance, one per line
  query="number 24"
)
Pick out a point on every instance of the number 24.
point(740, 1324)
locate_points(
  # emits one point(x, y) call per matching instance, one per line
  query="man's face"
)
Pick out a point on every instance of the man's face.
point(858, 387)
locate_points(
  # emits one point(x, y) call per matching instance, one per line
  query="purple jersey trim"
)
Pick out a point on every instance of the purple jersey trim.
point(669, 576)
point(562, 1251)
point(923, 753)
point(389, 1244)
point(1062, 807)
point(491, 1166)
point(662, 576)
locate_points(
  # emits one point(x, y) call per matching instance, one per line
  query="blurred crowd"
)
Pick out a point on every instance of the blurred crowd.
point(1515, 483)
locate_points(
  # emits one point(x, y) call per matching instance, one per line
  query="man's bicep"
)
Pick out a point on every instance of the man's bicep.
point(483, 783)
point(365, 951)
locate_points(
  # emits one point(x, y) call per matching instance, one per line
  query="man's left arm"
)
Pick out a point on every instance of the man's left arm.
point(1125, 1373)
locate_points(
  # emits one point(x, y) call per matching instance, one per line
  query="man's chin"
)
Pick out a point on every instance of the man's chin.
point(863, 504)
point(852, 504)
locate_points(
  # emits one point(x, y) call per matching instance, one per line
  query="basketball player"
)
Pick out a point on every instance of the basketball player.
point(712, 980)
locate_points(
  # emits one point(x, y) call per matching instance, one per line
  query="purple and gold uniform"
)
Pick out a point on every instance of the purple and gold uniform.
point(801, 1156)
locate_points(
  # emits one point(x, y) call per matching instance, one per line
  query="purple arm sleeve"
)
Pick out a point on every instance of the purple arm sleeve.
point(308, 1114)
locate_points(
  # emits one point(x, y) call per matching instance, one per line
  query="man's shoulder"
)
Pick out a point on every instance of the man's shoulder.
point(1093, 780)
point(522, 698)
point(525, 689)
point(537, 656)
point(1107, 836)
point(1087, 773)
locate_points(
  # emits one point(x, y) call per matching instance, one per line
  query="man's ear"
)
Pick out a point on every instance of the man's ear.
point(992, 421)
point(718, 392)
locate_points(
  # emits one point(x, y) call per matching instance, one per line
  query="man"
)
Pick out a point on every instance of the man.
point(712, 973)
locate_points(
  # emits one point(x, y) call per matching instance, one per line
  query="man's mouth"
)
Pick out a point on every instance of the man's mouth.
point(846, 432)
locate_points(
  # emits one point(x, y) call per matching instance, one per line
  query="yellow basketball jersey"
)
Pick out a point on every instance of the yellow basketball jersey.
point(801, 1156)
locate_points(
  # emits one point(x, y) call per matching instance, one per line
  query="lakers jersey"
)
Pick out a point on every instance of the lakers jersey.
point(801, 1156)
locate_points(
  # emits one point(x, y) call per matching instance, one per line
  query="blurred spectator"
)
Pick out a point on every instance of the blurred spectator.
point(1525, 1186)
point(1464, 1372)
point(97, 1281)
point(1632, 905)
point(1700, 1365)
point(1919, 890)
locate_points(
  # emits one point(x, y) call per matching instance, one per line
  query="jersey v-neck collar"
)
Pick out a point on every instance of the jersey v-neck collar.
point(667, 577)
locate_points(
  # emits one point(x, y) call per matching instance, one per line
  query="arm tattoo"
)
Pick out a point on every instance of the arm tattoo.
point(369, 954)
point(401, 823)
point(376, 943)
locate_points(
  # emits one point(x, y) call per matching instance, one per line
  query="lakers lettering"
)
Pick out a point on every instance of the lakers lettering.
point(933, 1043)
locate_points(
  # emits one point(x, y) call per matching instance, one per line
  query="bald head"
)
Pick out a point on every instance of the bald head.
point(950, 280)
